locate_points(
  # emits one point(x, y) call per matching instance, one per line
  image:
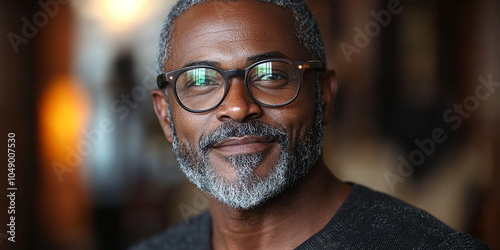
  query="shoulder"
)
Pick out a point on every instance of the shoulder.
point(368, 218)
point(397, 220)
point(194, 234)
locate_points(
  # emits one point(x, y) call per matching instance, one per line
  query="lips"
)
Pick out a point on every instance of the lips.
point(244, 144)
point(233, 141)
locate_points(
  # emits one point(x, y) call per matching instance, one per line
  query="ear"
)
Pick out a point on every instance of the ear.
point(328, 92)
point(160, 105)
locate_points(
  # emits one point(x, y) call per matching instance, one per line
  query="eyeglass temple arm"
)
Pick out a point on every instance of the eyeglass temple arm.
point(161, 81)
point(314, 64)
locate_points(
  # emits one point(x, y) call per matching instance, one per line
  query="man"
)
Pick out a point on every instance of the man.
point(243, 101)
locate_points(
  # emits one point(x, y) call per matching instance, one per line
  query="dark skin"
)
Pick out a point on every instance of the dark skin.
point(233, 35)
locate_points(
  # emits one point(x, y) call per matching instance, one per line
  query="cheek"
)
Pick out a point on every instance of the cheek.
point(298, 116)
point(184, 122)
point(190, 126)
point(305, 104)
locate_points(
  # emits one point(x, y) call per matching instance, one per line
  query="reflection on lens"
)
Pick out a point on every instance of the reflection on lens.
point(273, 83)
point(200, 88)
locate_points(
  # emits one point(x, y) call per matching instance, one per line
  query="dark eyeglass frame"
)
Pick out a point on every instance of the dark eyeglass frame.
point(171, 78)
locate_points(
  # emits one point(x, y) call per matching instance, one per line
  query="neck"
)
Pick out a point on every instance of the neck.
point(284, 221)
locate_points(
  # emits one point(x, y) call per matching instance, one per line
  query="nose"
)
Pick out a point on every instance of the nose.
point(238, 105)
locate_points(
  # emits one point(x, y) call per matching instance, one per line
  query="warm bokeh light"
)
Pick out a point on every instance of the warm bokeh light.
point(116, 15)
point(64, 113)
point(123, 11)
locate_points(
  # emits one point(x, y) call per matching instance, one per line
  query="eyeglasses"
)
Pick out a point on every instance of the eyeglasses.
point(271, 83)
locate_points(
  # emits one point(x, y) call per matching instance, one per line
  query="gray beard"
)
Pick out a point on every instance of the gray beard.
point(249, 190)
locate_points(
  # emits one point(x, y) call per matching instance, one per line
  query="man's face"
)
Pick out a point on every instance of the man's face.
point(240, 152)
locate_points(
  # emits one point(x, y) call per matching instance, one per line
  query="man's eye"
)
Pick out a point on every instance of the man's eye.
point(201, 82)
point(271, 77)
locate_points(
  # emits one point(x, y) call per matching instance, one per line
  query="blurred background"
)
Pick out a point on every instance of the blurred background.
point(94, 171)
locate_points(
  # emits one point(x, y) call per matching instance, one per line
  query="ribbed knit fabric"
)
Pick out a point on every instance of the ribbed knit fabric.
point(366, 220)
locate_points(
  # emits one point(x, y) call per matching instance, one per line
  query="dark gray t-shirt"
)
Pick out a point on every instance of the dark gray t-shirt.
point(366, 220)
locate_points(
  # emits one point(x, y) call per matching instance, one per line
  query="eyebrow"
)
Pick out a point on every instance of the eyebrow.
point(250, 59)
point(267, 55)
point(202, 63)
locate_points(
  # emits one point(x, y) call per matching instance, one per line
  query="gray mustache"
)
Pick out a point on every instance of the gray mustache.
point(234, 129)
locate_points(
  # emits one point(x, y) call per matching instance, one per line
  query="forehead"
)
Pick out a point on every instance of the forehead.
point(228, 32)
